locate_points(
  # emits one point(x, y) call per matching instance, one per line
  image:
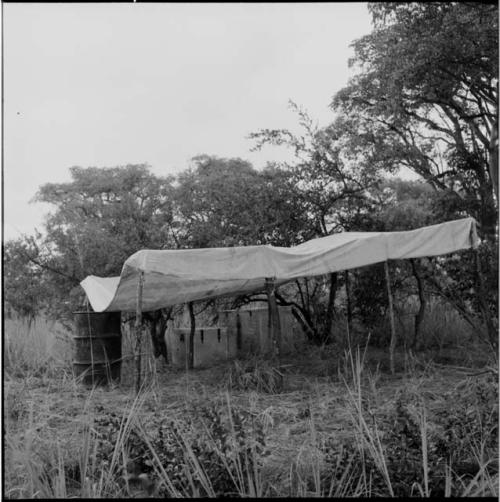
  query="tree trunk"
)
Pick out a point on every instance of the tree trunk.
point(306, 328)
point(483, 303)
point(331, 307)
point(391, 317)
point(191, 336)
point(493, 160)
point(423, 303)
point(302, 316)
point(138, 333)
point(274, 328)
point(157, 325)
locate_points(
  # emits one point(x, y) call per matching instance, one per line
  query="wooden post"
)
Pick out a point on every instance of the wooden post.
point(349, 305)
point(238, 331)
point(421, 296)
point(274, 327)
point(191, 336)
point(138, 332)
point(391, 316)
point(331, 307)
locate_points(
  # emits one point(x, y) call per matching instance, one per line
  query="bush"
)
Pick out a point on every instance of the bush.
point(210, 447)
point(461, 442)
point(470, 423)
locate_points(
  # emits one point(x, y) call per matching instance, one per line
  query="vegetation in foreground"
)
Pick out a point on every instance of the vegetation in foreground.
point(330, 422)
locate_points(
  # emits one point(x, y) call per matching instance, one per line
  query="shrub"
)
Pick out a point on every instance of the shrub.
point(222, 449)
point(470, 423)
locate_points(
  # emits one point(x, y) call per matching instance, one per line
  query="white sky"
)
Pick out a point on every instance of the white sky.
point(111, 84)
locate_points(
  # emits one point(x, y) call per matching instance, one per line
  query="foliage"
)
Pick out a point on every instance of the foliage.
point(470, 421)
point(25, 286)
point(331, 187)
point(209, 454)
point(64, 442)
point(324, 179)
point(404, 205)
point(211, 442)
point(226, 202)
point(393, 206)
point(402, 452)
point(101, 216)
point(426, 97)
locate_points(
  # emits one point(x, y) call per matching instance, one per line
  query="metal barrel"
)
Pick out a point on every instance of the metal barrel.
point(98, 347)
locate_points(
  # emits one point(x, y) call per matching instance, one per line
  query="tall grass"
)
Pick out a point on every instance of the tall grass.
point(371, 444)
point(216, 446)
point(255, 374)
point(46, 474)
point(34, 349)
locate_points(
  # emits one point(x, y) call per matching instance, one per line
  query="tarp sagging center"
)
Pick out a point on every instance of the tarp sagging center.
point(176, 276)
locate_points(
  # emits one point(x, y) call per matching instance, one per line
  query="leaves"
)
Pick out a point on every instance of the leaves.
point(220, 443)
point(425, 96)
point(226, 202)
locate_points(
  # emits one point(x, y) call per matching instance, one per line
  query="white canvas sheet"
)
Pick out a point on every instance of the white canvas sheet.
point(178, 276)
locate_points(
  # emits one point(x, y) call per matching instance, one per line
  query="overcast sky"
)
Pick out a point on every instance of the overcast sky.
point(112, 84)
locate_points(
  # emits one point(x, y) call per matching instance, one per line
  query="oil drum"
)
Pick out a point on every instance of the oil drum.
point(97, 347)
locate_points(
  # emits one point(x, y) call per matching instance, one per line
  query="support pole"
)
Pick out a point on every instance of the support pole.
point(349, 304)
point(331, 308)
point(238, 331)
point(274, 327)
point(138, 333)
point(423, 302)
point(391, 316)
point(191, 336)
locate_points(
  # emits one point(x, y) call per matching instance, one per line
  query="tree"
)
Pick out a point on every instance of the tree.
point(324, 177)
point(426, 97)
point(226, 202)
point(330, 183)
point(101, 217)
point(25, 286)
point(405, 205)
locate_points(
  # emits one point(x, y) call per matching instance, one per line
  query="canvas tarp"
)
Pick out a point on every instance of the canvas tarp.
point(182, 275)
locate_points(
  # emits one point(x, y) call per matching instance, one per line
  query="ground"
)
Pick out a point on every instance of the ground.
point(46, 417)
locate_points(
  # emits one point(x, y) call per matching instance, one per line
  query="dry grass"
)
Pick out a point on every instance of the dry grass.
point(325, 426)
point(35, 349)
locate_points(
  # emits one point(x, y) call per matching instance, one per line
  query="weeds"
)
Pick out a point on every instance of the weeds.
point(397, 437)
point(403, 457)
point(257, 375)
